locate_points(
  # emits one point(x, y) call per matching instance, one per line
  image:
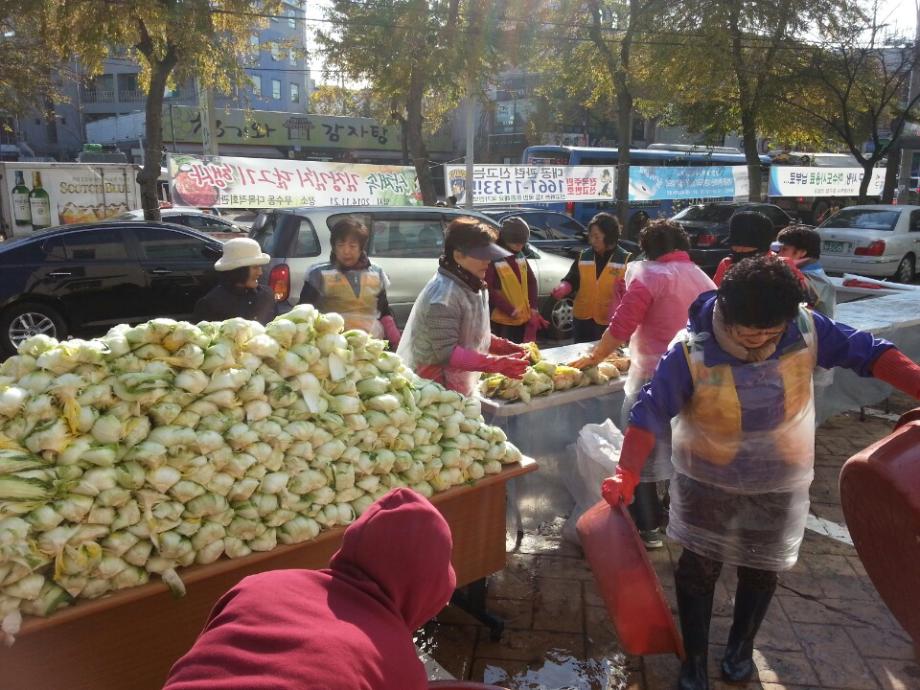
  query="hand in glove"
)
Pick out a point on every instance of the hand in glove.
point(500, 346)
point(391, 331)
point(470, 360)
point(895, 369)
point(561, 290)
point(536, 320)
point(637, 446)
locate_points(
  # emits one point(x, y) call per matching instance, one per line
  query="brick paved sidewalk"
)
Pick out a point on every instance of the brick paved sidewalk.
point(827, 626)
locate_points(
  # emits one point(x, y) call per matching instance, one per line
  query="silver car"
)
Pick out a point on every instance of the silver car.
point(874, 240)
point(405, 242)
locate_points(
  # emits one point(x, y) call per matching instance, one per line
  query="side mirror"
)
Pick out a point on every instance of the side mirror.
point(260, 222)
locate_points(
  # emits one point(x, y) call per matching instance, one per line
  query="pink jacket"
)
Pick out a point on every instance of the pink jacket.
point(654, 307)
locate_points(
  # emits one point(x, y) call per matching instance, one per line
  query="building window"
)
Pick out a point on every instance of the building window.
point(257, 85)
point(254, 45)
point(276, 89)
point(292, 21)
point(292, 56)
point(276, 52)
point(295, 93)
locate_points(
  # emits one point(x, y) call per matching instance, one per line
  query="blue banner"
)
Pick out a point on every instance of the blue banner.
point(647, 183)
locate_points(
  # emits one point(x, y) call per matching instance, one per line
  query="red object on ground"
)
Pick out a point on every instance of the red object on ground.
point(627, 583)
point(857, 283)
point(460, 685)
point(880, 496)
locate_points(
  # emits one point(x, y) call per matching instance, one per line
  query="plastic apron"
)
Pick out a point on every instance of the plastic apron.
point(514, 290)
point(595, 292)
point(359, 309)
point(418, 347)
point(743, 451)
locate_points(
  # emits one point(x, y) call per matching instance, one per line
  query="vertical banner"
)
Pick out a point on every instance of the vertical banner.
point(233, 182)
point(503, 184)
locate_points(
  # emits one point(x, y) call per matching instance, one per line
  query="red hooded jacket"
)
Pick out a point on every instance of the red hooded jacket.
point(348, 627)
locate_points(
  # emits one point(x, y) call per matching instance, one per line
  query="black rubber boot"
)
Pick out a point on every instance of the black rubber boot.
point(751, 606)
point(646, 513)
point(695, 612)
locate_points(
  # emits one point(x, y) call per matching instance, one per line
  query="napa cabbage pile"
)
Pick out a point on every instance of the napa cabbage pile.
point(169, 444)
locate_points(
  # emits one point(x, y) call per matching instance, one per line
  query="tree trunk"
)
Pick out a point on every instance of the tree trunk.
point(416, 143)
point(751, 155)
point(624, 123)
point(868, 166)
point(153, 129)
point(891, 174)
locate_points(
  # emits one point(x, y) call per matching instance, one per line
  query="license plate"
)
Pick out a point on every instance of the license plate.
point(834, 247)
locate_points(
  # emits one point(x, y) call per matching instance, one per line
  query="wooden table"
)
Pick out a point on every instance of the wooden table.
point(129, 640)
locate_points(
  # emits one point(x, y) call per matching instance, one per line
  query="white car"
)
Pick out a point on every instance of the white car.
point(879, 240)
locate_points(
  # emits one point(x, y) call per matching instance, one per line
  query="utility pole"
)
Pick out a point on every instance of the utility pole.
point(208, 119)
point(470, 147)
point(907, 155)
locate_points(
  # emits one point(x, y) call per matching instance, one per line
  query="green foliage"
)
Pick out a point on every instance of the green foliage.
point(27, 60)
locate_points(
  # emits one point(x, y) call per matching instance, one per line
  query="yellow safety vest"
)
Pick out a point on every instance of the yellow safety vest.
point(358, 310)
point(515, 291)
point(710, 423)
point(596, 292)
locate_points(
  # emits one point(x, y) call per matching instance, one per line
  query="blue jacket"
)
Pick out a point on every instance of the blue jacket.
point(671, 387)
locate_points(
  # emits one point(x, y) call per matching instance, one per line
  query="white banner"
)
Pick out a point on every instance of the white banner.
point(791, 180)
point(229, 182)
point(504, 184)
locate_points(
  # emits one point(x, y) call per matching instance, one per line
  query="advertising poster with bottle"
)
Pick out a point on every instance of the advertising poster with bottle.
point(40, 195)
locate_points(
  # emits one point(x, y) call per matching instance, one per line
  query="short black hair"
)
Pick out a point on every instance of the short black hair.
point(661, 237)
point(761, 292)
point(234, 277)
point(802, 237)
point(466, 232)
point(608, 224)
point(751, 229)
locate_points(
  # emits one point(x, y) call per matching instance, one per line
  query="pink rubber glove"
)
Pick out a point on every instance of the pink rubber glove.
point(637, 446)
point(501, 346)
point(391, 331)
point(536, 320)
point(470, 360)
point(561, 290)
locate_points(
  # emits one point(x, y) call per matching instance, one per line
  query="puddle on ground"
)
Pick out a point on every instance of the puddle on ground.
point(562, 671)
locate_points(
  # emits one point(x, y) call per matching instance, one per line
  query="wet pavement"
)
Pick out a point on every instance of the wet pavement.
point(826, 628)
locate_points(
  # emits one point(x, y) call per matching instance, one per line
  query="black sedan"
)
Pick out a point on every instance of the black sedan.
point(707, 226)
point(82, 279)
point(552, 231)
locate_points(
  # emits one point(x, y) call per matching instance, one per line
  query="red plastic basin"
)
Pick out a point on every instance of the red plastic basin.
point(627, 583)
point(460, 685)
point(880, 496)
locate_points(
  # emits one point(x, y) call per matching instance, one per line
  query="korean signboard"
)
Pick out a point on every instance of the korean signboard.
point(39, 195)
point(502, 184)
point(810, 182)
point(229, 182)
point(270, 128)
point(647, 183)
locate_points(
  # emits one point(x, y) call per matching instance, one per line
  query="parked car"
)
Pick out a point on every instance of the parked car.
point(873, 240)
point(405, 241)
point(197, 219)
point(552, 231)
point(707, 226)
point(82, 279)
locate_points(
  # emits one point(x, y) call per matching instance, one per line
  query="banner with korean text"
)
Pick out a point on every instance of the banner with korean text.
point(514, 184)
point(792, 180)
point(657, 182)
point(233, 182)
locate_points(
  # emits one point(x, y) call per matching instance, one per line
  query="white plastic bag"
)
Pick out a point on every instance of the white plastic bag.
point(596, 455)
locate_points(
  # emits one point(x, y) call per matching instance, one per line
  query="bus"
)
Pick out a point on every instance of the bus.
point(640, 212)
point(814, 209)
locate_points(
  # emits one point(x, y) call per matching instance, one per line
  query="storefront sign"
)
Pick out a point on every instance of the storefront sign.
point(648, 182)
point(224, 181)
point(270, 128)
point(502, 184)
point(811, 182)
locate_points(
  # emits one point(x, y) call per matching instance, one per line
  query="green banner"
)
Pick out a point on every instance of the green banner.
point(182, 123)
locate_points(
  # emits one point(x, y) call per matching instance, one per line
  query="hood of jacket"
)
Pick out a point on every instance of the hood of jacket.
point(399, 552)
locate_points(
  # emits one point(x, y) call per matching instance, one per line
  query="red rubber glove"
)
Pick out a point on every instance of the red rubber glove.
point(470, 360)
point(562, 290)
point(391, 331)
point(896, 369)
point(500, 346)
point(536, 320)
point(637, 446)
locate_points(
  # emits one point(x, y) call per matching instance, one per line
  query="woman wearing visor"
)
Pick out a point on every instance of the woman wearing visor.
point(447, 338)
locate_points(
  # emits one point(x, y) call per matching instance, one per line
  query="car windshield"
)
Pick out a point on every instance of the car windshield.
point(712, 214)
point(863, 219)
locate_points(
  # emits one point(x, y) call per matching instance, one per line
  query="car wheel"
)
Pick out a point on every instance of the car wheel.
point(906, 270)
point(22, 321)
point(560, 314)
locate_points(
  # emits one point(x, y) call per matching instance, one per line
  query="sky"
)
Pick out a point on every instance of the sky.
point(901, 14)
